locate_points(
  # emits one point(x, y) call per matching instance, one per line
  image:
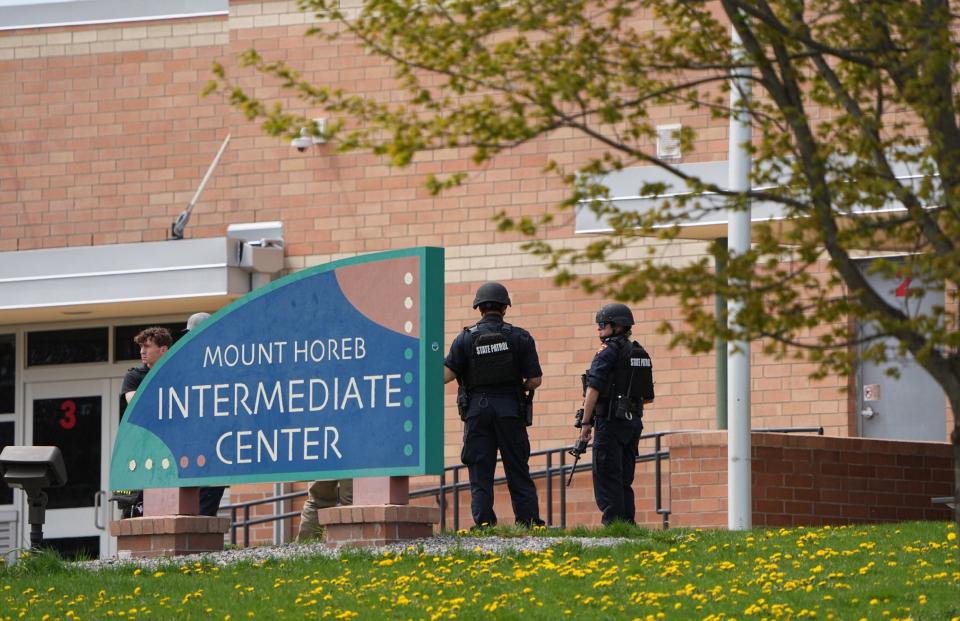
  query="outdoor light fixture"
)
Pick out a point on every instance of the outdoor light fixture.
point(32, 468)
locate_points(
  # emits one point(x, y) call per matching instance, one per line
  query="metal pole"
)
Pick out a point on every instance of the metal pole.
point(443, 501)
point(456, 499)
point(549, 489)
point(739, 516)
point(36, 516)
point(246, 526)
point(206, 176)
point(658, 474)
point(563, 489)
point(178, 226)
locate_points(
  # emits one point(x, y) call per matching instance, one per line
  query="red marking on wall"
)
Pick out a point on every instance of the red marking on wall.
point(901, 291)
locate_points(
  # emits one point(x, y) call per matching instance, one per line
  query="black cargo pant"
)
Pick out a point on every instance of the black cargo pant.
point(210, 498)
point(493, 423)
point(615, 449)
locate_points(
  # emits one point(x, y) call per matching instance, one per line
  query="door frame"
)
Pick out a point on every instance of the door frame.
point(863, 403)
point(83, 521)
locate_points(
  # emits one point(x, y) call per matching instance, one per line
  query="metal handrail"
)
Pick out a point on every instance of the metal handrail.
point(549, 472)
point(247, 522)
point(439, 492)
point(657, 456)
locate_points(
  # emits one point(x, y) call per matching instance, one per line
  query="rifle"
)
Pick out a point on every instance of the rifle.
point(129, 501)
point(579, 447)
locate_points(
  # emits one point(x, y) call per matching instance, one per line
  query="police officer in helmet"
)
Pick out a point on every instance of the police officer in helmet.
point(495, 363)
point(618, 384)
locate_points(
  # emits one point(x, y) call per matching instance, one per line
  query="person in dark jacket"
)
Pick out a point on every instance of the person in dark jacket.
point(497, 367)
point(154, 343)
point(618, 384)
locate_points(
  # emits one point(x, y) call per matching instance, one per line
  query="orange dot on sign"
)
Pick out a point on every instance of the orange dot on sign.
point(201, 460)
point(184, 461)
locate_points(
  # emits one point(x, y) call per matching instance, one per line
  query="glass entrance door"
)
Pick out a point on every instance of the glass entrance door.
point(75, 416)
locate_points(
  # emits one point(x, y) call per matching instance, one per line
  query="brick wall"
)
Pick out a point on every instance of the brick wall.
point(811, 480)
point(104, 137)
point(814, 481)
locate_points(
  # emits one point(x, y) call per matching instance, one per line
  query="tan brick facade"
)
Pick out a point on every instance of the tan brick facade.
point(104, 137)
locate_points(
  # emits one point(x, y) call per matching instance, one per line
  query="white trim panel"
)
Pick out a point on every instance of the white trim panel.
point(17, 14)
point(121, 273)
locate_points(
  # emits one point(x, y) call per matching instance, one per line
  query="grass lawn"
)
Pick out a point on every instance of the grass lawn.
point(897, 571)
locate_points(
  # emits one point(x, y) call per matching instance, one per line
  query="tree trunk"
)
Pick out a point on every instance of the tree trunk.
point(955, 440)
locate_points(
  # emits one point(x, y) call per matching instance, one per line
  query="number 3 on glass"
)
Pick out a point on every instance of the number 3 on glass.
point(69, 418)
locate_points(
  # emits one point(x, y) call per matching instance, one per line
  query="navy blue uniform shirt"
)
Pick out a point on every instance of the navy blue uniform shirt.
point(605, 363)
point(527, 360)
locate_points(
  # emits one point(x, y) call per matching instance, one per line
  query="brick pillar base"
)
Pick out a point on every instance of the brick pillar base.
point(171, 535)
point(374, 525)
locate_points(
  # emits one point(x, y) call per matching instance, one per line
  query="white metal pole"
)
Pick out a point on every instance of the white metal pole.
point(739, 510)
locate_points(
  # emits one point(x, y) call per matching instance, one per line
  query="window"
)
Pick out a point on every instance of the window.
point(125, 349)
point(72, 422)
point(6, 439)
point(8, 370)
point(67, 346)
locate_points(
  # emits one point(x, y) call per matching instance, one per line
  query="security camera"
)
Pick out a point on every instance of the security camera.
point(309, 137)
point(304, 142)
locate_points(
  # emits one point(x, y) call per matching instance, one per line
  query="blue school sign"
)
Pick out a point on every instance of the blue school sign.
point(332, 372)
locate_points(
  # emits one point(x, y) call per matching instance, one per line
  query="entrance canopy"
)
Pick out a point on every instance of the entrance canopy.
point(127, 280)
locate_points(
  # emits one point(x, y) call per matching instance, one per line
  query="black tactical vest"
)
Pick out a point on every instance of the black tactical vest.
point(492, 358)
point(632, 382)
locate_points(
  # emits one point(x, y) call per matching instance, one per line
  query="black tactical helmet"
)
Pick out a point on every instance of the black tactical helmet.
point(617, 314)
point(491, 292)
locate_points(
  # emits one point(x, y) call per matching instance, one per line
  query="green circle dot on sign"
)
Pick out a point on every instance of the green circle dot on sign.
point(407, 450)
point(408, 353)
point(407, 402)
point(408, 425)
point(408, 377)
